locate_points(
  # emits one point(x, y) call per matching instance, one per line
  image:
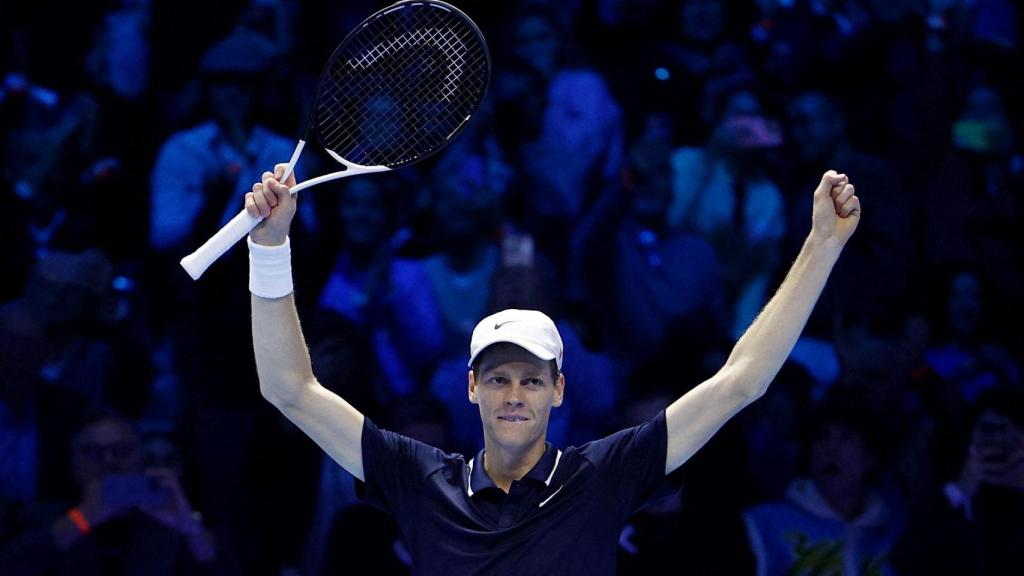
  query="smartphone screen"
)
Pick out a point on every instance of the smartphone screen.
point(124, 490)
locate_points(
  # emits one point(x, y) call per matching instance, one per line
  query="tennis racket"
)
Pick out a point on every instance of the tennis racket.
point(397, 89)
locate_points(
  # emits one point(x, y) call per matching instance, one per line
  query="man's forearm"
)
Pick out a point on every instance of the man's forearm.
point(757, 357)
point(282, 359)
point(764, 347)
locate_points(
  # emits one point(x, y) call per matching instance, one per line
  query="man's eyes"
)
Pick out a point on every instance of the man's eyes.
point(501, 380)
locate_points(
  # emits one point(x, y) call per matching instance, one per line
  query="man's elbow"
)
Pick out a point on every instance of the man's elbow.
point(270, 395)
point(283, 395)
point(745, 381)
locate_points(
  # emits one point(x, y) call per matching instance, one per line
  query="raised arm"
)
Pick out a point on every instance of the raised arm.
point(282, 359)
point(763, 348)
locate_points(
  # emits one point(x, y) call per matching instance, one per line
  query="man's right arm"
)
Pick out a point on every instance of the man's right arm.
point(287, 381)
point(282, 359)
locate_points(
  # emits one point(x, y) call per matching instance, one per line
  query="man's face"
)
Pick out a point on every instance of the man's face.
point(103, 448)
point(840, 460)
point(515, 391)
point(537, 44)
point(813, 127)
point(231, 98)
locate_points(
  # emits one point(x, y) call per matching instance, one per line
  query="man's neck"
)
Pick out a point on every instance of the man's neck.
point(505, 467)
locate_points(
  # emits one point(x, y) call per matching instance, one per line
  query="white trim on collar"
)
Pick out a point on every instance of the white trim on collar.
point(469, 473)
point(553, 468)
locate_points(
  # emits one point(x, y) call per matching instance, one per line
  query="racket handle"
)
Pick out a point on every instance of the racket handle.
point(197, 262)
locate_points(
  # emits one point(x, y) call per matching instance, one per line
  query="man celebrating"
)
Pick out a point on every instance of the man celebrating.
point(521, 504)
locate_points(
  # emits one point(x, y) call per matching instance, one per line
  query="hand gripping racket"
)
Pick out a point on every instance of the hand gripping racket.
point(397, 89)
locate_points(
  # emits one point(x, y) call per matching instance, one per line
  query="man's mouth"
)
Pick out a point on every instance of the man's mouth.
point(513, 418)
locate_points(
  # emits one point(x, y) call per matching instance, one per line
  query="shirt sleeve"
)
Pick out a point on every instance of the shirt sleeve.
point(632, 463)
point(395, 469)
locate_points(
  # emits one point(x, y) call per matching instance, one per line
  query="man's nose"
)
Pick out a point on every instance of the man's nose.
point(514, 399)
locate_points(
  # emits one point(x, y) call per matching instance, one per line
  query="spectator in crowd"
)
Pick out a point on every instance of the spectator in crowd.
point(48, 141)
point(539, 37)
point(976, 195)
point(817, 126)
point(725, 193)
point(834, 521)
point(67, 342)
point(61, 307)
point(120, 59)
point(664, 277)
point(369, 238)
point(219, 156)
point(577, 154)
point(967, 353)
point(970, 523)
point(692, 67)
point(126, 520)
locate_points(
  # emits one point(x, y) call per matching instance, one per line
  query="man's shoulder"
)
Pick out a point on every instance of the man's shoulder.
point(426, 458)
point(621, 443)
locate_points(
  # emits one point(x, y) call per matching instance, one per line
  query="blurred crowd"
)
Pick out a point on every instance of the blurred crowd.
point(641, 170)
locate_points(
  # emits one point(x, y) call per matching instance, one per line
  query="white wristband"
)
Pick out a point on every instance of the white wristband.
point(270, 269)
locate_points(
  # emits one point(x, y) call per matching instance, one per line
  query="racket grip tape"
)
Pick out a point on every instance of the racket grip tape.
point(197, 262)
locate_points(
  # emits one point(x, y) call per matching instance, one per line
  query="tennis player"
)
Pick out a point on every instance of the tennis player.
point(521, 505)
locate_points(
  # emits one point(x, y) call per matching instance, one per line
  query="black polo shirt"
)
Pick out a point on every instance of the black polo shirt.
point(564, 517)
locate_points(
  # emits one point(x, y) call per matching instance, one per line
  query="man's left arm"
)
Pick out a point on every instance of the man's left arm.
point(760, 352)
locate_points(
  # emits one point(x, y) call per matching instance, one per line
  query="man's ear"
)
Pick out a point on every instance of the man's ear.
point(471, 379)
point(559, 390)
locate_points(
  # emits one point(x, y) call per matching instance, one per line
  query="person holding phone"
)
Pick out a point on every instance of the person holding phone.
point(971, 525)
point(128, 519)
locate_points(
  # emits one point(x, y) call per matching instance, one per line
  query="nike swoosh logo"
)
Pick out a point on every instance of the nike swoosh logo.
point(500, 324)
point(546, 500)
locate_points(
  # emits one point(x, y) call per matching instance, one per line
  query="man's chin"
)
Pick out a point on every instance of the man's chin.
point(515, 434)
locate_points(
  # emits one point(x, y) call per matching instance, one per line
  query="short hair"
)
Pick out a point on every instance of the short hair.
point(95, 413)
point(852, 408)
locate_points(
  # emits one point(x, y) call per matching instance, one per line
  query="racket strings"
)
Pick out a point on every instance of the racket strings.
point(401, 86)
point(417, 97)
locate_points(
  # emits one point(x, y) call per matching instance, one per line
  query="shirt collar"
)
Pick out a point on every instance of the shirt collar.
point(543, 471)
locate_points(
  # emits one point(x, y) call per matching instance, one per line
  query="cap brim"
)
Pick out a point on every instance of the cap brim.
point(531, 347)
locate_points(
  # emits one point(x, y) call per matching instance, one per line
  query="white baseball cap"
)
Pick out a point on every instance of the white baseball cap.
point(529, 329)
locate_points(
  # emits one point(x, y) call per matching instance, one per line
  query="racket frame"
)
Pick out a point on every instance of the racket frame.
point(196, 263)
